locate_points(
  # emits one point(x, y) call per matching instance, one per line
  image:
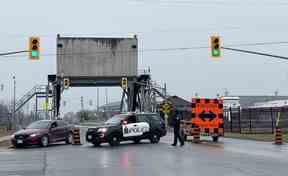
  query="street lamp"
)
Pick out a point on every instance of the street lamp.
point(2, 87)
point(14, 93)
point(14, 102)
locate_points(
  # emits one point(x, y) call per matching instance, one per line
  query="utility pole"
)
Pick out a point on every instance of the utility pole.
point(165, 90)
point(82, 107)
point(36, 107)
point(97, 99)
point(90, 102)
point(226, 93)
point(47, 103)
point(14, 102)
point(106, 95)
point(82, 103)
point(276, 93)
point(2, 87)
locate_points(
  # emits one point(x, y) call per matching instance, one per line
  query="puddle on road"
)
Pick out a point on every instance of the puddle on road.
point(261, 149)
point(266, 150)
point(254, 152)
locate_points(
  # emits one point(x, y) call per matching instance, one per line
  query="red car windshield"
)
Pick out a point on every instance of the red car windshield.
point(39, 125)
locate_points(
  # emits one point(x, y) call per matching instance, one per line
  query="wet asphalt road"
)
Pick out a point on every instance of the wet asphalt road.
point(228, 157)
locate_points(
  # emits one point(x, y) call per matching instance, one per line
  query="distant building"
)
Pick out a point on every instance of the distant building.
point(179, 103)
point(268, 104)
point(110, 107)
point(251, 101)
point(255, 101)
point(183, 106)
point(231, 102)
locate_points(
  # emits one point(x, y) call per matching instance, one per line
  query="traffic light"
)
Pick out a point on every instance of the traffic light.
point(215, 44)
point(34, 48)
point(66, 83)
point(124, 83)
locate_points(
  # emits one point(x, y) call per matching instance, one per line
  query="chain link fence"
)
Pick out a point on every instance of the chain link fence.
point(255, 120)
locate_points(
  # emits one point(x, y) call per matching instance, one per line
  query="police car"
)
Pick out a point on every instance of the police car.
point(128, 127)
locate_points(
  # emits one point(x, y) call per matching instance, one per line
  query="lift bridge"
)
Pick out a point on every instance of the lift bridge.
point(99, 62)
point(141, 95)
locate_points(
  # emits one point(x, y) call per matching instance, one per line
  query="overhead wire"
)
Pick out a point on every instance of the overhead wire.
point(255, 53)
point(209, 2)
point(258, 44)
point(152, 49)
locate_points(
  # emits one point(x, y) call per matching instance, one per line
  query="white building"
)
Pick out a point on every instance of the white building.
point(268, 104)
point(231, 102)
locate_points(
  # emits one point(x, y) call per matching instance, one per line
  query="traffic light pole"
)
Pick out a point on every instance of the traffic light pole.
point(255, 53)
point(13, 52)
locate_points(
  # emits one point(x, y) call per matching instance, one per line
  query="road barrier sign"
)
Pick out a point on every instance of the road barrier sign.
point(76, 136)
point(279, 136)
point(207, 114)
point(166, 107)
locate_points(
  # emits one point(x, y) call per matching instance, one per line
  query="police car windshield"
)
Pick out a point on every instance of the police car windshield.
point(115, 119)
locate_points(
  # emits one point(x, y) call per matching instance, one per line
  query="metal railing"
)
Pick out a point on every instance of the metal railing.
point(38, 89)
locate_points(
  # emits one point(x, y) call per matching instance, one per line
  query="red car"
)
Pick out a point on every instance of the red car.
point(43, 132)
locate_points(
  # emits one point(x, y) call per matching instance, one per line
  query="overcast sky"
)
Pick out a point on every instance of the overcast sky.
point(158, 24)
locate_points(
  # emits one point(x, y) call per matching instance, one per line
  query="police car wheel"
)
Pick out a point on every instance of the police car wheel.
point(96, 144)
point(155, 138)
point(114, 141)
point(136, 141)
